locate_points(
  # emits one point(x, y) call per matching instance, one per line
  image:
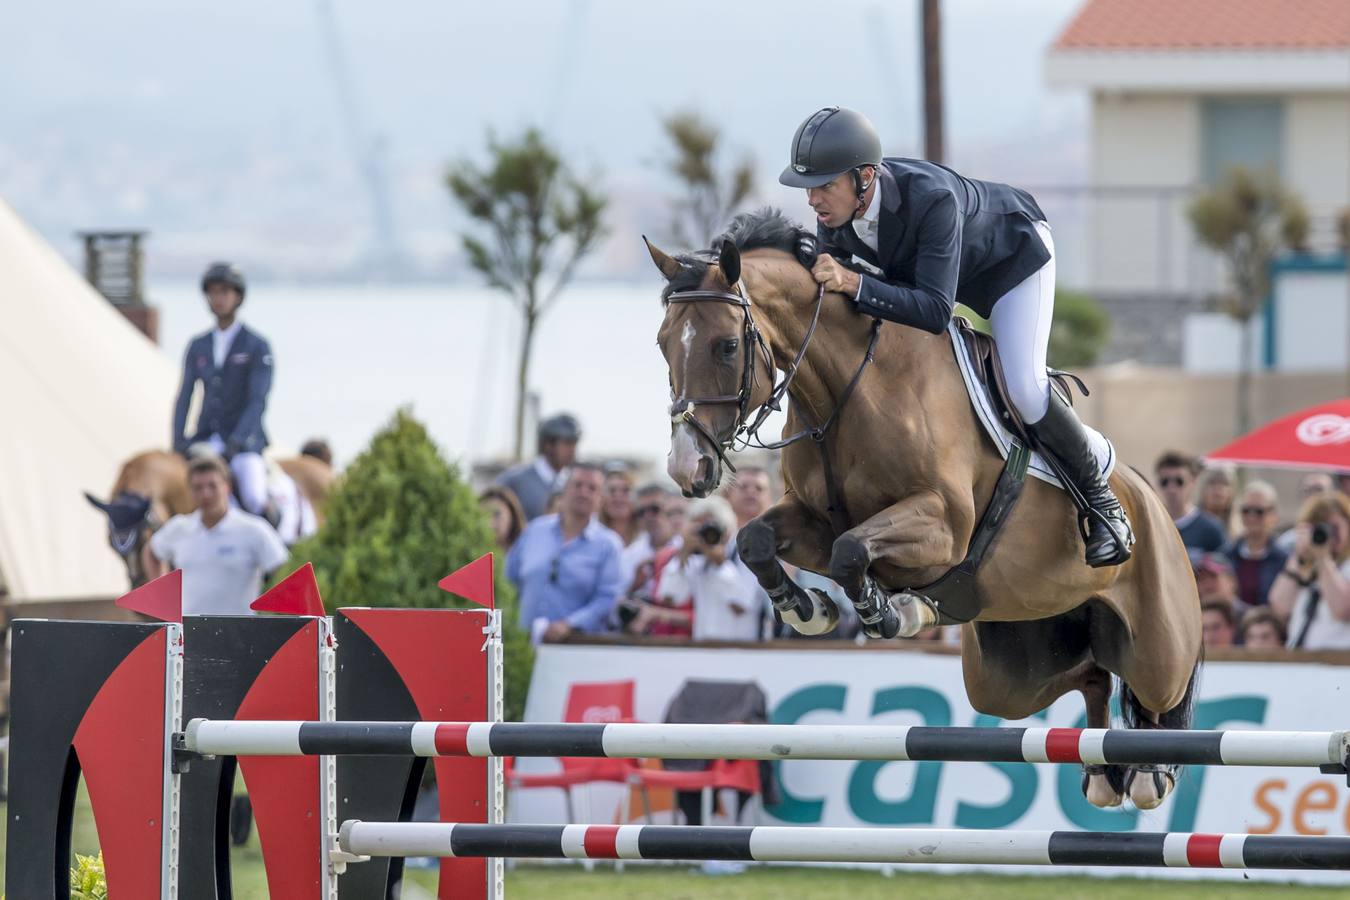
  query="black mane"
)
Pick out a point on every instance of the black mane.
point(766, 227)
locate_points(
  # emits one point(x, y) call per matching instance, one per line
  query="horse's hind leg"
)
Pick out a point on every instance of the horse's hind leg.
point(1103, 785)
point(788, 529)
point(1149, 785)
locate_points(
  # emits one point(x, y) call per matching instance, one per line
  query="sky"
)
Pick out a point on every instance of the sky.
point(220, 128)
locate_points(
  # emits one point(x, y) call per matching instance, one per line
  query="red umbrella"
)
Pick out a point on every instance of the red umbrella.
point(1316, 438)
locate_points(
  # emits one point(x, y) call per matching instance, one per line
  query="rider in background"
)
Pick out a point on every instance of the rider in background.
point(925, 235)
point(234, 366)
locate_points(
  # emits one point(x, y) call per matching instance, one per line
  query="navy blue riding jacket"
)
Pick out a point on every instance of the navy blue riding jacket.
point(235, 395)
point(941, 235)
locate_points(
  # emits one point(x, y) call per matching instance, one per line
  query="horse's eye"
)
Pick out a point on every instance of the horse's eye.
point(727, 348)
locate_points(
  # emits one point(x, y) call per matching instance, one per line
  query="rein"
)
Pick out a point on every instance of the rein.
point(745, 434)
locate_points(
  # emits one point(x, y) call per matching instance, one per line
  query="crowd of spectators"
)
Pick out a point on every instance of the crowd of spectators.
point(592, 551)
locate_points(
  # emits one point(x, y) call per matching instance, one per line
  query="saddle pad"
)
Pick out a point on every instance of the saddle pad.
point(1001, 436)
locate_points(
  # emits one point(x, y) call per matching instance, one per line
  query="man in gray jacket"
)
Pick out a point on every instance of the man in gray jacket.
point(536, 481)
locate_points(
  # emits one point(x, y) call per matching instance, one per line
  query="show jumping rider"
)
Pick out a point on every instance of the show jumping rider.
point(931, 235)
point(234, 366)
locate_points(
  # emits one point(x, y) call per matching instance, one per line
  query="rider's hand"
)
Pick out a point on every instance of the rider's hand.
point(831, 273)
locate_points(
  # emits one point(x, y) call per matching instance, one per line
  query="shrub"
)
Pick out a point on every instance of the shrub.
point(400, 518)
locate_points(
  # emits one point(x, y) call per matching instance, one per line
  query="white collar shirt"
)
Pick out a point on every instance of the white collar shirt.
point(221, 341)
point(867, 225)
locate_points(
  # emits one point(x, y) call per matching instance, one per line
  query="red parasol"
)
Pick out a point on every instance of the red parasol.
point(1315, 438)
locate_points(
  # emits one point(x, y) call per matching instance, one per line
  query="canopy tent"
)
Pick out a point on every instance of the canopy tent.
point(80, 391)
point(1315, 438)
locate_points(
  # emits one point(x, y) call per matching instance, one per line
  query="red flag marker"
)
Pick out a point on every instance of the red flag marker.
point(295, 595)
point(159, 599)
point(473, 582)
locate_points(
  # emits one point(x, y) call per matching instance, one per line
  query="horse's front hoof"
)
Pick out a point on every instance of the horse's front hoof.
point(821, 618)
point(914, 613)
point(1150, 785)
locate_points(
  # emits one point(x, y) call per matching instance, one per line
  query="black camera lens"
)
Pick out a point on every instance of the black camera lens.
point(1321, 533)
point(711, 533)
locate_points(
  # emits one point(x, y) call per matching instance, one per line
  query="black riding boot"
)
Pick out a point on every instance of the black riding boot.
point(1106, 528)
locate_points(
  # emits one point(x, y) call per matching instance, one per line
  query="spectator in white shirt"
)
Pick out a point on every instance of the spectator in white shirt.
point(1312, 591)
point(224, 552)
point(727, 606)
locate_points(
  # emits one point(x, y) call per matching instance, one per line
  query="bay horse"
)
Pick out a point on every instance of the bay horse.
point(911, 471)
point(152, 487)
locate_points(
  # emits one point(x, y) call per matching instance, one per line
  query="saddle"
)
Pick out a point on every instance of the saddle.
point(955, 596)
point(984, 353)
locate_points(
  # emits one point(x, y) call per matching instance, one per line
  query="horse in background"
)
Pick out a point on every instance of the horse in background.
point(152, 487)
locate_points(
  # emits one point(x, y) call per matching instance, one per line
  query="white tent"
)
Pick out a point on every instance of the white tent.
point(80, 391)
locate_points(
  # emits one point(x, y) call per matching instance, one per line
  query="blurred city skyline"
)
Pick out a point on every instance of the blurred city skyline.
point(223, 130)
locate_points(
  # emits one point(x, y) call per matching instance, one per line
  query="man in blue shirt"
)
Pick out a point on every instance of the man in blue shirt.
point(566, 565)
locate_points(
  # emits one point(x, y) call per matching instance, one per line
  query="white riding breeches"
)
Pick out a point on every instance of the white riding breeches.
point(1021, 326)
point(250, 479)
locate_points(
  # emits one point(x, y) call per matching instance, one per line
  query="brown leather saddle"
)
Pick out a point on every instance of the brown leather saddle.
point(955, 596)
point(984, 354)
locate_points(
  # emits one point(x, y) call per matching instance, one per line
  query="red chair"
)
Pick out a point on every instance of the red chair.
point(739, 774)
point(598, 702)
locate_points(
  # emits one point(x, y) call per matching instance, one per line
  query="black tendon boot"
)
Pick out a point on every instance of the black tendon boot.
point(1106, 528)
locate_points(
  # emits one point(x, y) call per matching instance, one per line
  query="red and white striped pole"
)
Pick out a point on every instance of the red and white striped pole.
point(856, 742)
point(864, 845)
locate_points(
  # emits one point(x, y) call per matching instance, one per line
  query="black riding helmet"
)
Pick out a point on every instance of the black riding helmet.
point(829, 143)
point(224, 273)
point(563, 427)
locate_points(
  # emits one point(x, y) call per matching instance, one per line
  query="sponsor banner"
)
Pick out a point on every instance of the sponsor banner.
point(852, 687)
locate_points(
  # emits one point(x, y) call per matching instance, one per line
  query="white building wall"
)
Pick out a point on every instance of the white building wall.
point(1317, 150)
point(1139, 242)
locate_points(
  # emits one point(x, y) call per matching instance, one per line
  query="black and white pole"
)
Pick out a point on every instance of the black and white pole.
point(863, 845)
point(855, 742)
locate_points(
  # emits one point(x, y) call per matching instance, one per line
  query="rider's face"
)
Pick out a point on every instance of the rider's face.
point(835, 201)
point(222, 299)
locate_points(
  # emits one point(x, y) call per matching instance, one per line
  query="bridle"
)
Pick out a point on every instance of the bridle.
point(745, 433)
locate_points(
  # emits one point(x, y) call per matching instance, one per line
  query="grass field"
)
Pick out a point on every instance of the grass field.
point(654, 882)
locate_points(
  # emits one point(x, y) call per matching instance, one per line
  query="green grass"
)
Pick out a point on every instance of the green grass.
point(659, 882)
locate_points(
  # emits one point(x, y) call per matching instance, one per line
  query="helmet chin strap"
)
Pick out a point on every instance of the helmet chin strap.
point(860, 207)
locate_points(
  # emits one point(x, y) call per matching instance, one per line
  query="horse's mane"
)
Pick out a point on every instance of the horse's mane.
point(764, 228)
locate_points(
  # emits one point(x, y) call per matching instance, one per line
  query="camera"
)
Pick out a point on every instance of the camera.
point(711, 534)
point(1321, 533)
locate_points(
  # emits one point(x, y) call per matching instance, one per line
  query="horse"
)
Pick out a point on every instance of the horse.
point(883, 493)
point(152, 487)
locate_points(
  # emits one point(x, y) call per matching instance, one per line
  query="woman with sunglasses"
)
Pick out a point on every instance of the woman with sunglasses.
point(1256, 559)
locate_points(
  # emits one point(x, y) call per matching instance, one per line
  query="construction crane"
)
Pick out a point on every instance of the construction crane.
point(384, 259)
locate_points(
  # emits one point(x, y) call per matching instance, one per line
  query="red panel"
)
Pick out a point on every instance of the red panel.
point(1202, 851)
point(439, 655)
point(1061, 745)
point(601, 842)
point(284, 791)
point(120, 743)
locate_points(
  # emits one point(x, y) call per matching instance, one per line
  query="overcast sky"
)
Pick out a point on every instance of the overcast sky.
point(220, 127)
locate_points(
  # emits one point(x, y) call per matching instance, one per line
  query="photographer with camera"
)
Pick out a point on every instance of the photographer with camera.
point(1313, 590)
point(726, 603)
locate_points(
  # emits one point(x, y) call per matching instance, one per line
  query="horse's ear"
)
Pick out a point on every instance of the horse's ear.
point(96, 503)
point(668, 265)
point(729, 261)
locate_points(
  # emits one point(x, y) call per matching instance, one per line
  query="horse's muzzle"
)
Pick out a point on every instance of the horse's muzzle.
point(691, 464)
